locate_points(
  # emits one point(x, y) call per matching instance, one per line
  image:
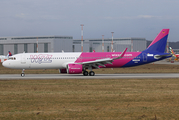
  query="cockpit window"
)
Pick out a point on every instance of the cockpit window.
point(12, 58)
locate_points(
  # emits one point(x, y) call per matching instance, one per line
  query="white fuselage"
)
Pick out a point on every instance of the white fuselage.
point(41, 60)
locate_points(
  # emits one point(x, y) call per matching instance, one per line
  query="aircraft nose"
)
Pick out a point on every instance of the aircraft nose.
point(5, 64)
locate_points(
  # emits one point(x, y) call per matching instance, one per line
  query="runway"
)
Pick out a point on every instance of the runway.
point(80, 76)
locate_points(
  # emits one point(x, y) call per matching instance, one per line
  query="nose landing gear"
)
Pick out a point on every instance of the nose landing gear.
point(23, 74)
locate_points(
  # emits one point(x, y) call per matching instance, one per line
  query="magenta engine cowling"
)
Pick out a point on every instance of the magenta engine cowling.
point(74, 68)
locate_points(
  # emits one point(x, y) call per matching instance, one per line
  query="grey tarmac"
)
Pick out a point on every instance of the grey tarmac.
point(80, 76)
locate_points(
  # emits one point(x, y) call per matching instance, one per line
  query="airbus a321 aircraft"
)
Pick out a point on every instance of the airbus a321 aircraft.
point(79, 62)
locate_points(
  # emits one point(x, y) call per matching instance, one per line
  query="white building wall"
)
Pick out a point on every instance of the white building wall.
point(119, 46)
point(49, 47)
point(8, 47)
point(86, 47)
point(106, 47)
point(30, 48)
point(64, 44)
point(41, 47)
point(139, 45)
point(77, 47)
point(97, 47)
point(20, 48)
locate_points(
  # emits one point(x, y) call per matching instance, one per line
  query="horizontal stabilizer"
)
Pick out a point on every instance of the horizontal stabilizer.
point(162, 55)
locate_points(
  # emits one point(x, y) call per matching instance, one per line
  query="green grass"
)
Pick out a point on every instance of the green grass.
point(103, 99)
point(90, 99)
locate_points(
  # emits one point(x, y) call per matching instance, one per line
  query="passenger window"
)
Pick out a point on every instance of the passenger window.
point(12, 58)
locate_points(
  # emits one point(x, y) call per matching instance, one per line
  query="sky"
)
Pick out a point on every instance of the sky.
point(126, 18)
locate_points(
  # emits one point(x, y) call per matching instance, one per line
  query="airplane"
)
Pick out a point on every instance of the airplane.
point(176, 56)
point(4, 58)
point(79, 62)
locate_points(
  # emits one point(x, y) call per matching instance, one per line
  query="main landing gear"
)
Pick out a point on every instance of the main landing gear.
point(91, 73)
point(23, 74)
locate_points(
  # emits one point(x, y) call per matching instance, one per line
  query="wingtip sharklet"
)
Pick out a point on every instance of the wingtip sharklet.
point(121, 55)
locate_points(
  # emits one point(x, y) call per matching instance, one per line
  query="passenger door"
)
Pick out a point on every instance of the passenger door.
point(23, 59)
point(144, 57)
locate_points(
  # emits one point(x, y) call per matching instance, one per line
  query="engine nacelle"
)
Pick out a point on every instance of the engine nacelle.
point(63, 70)
point(74, 68)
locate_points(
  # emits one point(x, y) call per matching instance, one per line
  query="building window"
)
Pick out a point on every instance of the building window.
point(45, 47)
point(15, 48)
point(3, 38)
point(25, 48)
point(107, 48)
point(1, 49)
point(91, 49)
point(73, 48)
point(35, 47)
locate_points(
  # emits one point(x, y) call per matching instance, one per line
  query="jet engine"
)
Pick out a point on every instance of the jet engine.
point(74, 68)
point(63, 70)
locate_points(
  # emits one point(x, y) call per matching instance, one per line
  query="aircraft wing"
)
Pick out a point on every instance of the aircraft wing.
point(102, 62)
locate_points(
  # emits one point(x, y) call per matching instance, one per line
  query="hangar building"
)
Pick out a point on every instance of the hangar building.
point(29, 44)
point(119, 44)
point(67, 44)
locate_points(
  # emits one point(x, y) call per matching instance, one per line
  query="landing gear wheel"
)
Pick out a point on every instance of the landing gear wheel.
point(85, 73)
point(22, 74)
point(91, 73)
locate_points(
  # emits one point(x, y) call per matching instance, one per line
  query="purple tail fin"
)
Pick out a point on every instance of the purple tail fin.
point(160, 42)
